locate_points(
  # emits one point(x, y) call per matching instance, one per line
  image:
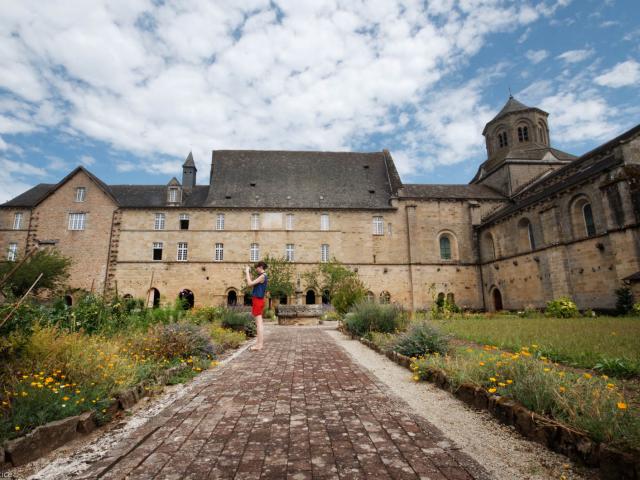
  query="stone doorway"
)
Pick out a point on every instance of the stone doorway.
point(187, 296)
point(497, 300)
point(310, 298)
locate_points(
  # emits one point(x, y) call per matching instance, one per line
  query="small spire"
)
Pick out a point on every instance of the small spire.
point(189, 161)
point(510, 94)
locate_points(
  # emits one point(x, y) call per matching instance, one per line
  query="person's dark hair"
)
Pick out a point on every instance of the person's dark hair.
point(261, 264)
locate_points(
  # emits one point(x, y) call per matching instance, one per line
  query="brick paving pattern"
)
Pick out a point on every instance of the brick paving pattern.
point(299, 409)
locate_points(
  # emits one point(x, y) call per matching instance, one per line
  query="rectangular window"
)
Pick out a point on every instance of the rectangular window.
point(219, 252)
point(81, 193)
point(157, 250)
point(184, 221)
point(182, 252)
point(289, 221)
point(17, 221)
point(324, 221)
point(324, 253)
point(76, 221)
point(12, 254)
point(289, 252)
point(173, 195)
point(255, 221)
point(220, 221)
point(254, 254)
point(378, 226)
point(159, 223)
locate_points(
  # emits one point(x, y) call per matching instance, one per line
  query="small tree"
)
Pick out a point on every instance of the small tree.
point(344, 286)
point(624, 302)
point(280, 275)
point(53, 265)
point(348, 292)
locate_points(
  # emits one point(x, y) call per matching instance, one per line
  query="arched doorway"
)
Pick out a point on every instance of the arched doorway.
point(154, 298)
point(310, 299)
point(440, 300)
point(68, 300)
point(283, 300)
point(497, 300)
point(187, 297)
point(326, 298)
point(232, 298)
point(385, 297)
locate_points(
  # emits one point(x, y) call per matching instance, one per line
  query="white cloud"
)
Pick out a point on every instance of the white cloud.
point(536, 56)
point(56, 163)
point(157, 79)
point(622, 75)
point(13, 178)
point(87, 160)
point(575, 56)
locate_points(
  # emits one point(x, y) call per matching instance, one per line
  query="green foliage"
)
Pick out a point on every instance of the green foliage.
point(202, 315)
point(331, 316)
point(562, 307)
point(422, 339)
point(348, 292)
point(269, 313)
point(53, 265)
point(280, 277)
point(226, 338)
point(636, 309)
point(371, 317)
point(617, 367)
point(529, 313)
point(177, 340)
point(239, 321)
point(624, 301)
point(442, 307)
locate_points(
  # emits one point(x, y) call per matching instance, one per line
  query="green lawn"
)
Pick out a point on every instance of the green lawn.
point(609, 344)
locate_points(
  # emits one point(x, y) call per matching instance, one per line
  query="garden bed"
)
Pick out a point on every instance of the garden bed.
point(612, 462)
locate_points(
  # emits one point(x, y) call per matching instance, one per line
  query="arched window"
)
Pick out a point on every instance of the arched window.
point(154, 298)
point(451, 298)
point(440, 300)
point(526, 240)
point(589, 226)
point(445, 247)
point(542, 133)
point(488, 247)
point(582, 220)
point(502, 139)
point(310, 298)
point(187, 297)
point(523, 134)
point(385, 297)
point(68, 300)
point(370, 297)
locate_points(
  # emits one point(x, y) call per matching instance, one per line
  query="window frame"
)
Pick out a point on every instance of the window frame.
point(159, 222)
point(288, 225)
point(324, 222)
point(446, 252)
point(12, 252)
point(81, 194)
point(220, 221)
point(219, 252)
point(77, 221)
point(324, 253)
point(254, 252)
point(182, 254)
point(289, 252)
point(157, 247)
point(184, 217)
point(255, 221)
point(589, 227)
point(378, 225)
point(18, 217)
point(172, 195)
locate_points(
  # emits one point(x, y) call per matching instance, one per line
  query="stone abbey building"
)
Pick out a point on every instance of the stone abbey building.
point(534, 224)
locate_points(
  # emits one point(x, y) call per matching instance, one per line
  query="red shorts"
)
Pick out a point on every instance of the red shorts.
point(257, 306)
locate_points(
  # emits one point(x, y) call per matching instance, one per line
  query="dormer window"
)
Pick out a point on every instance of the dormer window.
point(172, 195)
point(523, 134)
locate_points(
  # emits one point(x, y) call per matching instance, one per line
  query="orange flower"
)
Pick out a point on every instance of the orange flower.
point(622, 405)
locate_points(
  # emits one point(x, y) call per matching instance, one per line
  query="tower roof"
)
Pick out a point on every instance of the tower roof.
point(512, 106)
point(189, 161)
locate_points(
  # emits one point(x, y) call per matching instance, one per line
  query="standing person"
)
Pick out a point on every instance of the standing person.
point(259, 285)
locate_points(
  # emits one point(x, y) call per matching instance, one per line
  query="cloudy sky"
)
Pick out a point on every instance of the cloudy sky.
point(129, 87)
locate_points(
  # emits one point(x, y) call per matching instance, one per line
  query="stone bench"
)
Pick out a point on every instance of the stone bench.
point(299, 314)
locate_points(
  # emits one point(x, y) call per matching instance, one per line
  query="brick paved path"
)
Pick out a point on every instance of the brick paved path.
point(300, 409)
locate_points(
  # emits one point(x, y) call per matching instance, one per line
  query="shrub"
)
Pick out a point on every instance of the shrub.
point(226, 338)
point(624, 301)
point(182, 340)
point(371, 317)
point(636, 309)
point(562, 307)
point(348, 292)
point(331, 316)
point(422, 339)
point(239, 321)
point(203, 315)
point(269, 313)
point(53, 266)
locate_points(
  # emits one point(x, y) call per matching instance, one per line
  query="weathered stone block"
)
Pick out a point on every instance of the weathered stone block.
point(41, 441)
point(86, 422)
point(467, 393)
point(127, 399)
point(616, 465)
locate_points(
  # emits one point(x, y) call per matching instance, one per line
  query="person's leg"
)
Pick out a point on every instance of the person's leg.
point(259, 332)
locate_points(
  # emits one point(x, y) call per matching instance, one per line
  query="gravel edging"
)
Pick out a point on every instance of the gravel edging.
point(498, 448)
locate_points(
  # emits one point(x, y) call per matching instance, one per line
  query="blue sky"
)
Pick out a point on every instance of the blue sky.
point(129, 87)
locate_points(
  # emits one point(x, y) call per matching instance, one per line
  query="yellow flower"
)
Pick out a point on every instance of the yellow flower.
point(492, 390)
point(610, 386)
point(587, 376)
point(416, 378)
point(561, 389)
point(547, 369)
point(481, 364)
point(509, 382)
point(492, 379)
point(502, 384)
point(65, 398)
point(77, 391)
point(48, 380)
point(622, 405)
point(17, 428)
point(24, 394)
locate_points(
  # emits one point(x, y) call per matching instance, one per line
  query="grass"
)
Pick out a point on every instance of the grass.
point(608, 344)
point(593, 404)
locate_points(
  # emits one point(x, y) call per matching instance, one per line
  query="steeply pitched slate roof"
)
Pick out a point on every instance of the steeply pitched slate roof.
point(512, 106)
point(189, 161)
point(461, 192)
point(288, 179)
point(155, 196)
point(31, 197)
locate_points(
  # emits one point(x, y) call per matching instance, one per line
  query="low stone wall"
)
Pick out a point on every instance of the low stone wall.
point(613, 464)
point(299, 314)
